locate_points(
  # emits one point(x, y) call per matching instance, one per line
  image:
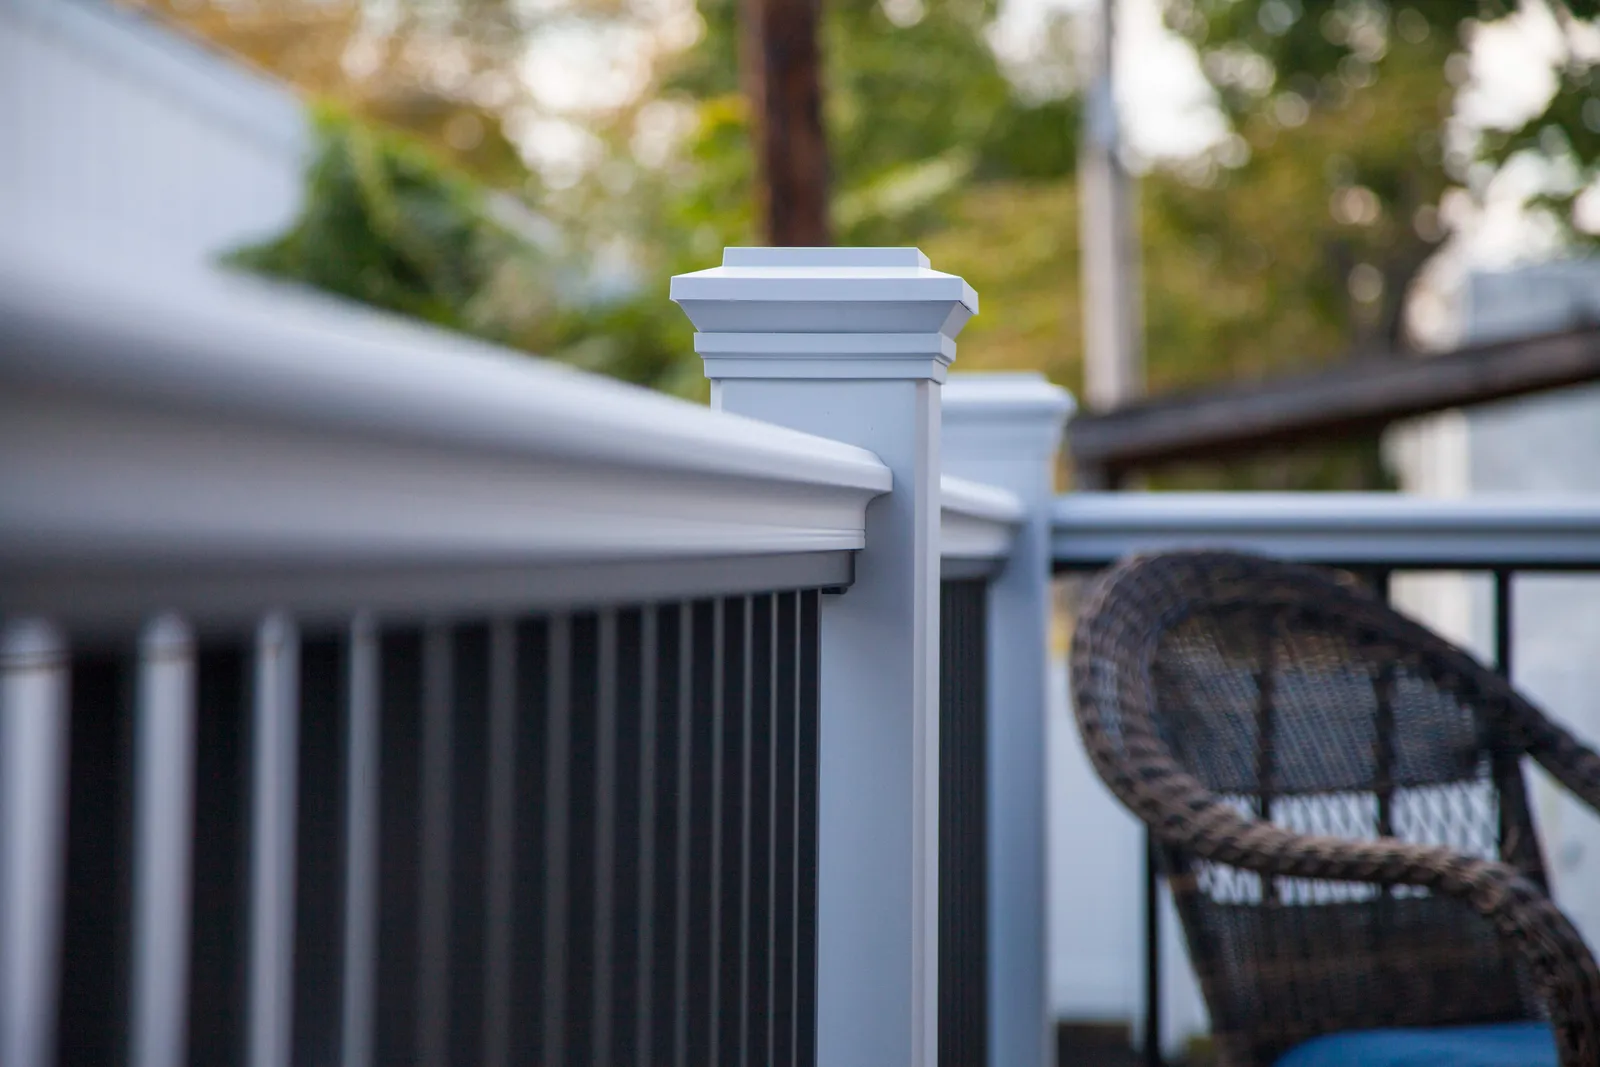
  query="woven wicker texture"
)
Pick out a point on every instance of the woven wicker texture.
point(1339, 798)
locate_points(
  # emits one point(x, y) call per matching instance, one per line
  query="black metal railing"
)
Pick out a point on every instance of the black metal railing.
point(582, 838)
point(1373, 562)
point(963, 824)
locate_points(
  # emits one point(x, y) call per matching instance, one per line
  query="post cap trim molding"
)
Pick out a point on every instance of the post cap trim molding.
point(834, 313)
point(825, 355)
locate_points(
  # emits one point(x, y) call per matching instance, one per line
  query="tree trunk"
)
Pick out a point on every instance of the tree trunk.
point(783, 86)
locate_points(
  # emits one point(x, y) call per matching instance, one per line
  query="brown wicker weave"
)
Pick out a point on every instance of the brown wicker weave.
point(1339, 799)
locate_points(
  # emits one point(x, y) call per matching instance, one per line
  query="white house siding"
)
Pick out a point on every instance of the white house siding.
point(124, 139)
point(1547, 445)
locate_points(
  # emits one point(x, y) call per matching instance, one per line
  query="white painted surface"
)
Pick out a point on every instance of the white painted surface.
point(359, 979)
point(1005, 430)
point(977, 521)
point(220, 422)
point(163, 821)
point(1091, 529)
point(793, 313)
point(34, 721)
point(1542, 445)
point(137, 145)
point(879, 742)
point(274, 780)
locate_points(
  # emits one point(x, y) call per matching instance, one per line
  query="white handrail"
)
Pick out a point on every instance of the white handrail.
point(247, 428)
point(977, 522)
point(1376, 529)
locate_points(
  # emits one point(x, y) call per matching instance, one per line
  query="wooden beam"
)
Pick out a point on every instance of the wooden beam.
point(1359, 397)
point(782, 82)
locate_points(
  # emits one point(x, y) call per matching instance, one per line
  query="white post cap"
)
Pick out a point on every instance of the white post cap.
point(1004, 414)
point(825, 313)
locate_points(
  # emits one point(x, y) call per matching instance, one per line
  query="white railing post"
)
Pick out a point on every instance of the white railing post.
point(1005, 430)
point(853, 344)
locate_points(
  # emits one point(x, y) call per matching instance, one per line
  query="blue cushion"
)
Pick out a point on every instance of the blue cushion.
point(1503, 1045)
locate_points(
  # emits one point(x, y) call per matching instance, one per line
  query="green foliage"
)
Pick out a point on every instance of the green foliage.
point(1298, 239)
point(386, 224)
point(914, 111)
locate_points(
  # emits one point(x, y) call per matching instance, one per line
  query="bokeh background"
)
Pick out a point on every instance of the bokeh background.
point(1315, 177)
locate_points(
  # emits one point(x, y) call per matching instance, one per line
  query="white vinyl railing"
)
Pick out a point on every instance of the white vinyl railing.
point(346, 527)
point(1356, 529)
point(470, 708)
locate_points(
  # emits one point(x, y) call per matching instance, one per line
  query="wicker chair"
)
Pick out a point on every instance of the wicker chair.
point(1338, 797)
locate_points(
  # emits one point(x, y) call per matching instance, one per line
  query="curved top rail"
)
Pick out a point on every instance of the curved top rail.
point(244, 427)
point(266, 350)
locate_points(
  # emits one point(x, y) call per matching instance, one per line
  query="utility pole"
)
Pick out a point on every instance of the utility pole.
point(783, 85)
point(1113, 363)
point(1113, 319)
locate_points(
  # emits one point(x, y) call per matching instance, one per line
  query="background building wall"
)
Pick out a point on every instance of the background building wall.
point(1550, 446)
point(135, 143)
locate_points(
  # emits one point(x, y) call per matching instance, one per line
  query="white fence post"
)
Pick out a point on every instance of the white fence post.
point(1005, 430)
point(853, 344)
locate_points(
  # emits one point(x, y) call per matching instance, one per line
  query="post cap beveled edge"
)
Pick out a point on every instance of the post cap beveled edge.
point(824, 256)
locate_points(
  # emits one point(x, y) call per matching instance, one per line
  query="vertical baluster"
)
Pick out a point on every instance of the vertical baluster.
point(432, 1005)
point(741, 1033)
point(644, 947)
point(322, 770)
point(730, 882)
point(643, 904)
point(760, 774)
point(361, 848)
point(400, 746)
point(471, 698)
point(680, 963)
point(605, 841)
point(703, 765)
point(499, 882)
point(529, 967)
point(664, 799)
point(33, 766)
point(163, 820)
point(786, 748)
point(807, 823)
point(1515, 847)
point(719, 697)
point(219, 954)
point(558, 755)
point(272, 874)
point(1151, 1039)
point(1502, 621)
point(632, 845)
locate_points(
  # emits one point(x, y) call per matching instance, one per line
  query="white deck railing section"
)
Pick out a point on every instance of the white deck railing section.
point(189, 459)
point(226, 459)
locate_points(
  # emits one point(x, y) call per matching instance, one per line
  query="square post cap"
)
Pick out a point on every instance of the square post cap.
point(825, 313)
point(1020, 412)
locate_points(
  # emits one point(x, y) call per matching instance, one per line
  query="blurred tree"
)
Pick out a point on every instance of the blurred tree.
point(1280, 248)
point(783, 91)
point(388, 224)
point(441, 71)
point(1365, 90)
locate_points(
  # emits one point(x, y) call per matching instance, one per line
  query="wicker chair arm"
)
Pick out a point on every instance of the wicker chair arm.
point(1183, 813)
